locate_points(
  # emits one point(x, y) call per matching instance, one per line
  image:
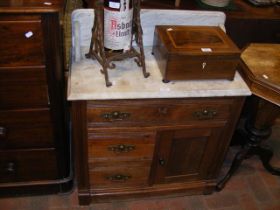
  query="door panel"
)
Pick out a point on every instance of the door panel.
point(185, 155)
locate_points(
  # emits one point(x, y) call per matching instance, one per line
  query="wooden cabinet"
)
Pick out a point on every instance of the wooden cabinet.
point(34, 149)
point(128, 148)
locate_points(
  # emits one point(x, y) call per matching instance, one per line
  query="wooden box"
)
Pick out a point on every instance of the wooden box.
point(194, 53)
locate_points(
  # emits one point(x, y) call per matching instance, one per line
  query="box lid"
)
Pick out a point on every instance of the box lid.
point(196, 40)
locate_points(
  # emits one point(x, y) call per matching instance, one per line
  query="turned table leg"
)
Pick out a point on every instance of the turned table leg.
point(258, 128)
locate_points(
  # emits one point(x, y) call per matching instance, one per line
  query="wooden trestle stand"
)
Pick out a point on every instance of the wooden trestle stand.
point(105, 58)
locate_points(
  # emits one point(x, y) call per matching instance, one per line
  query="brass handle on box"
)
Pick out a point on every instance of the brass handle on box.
point(3, 131)
point(205, 114)
point(118, 178)
point(121, 148)
point(115, 116)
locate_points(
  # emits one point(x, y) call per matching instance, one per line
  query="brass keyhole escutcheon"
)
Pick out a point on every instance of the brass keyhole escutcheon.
point(204, 65)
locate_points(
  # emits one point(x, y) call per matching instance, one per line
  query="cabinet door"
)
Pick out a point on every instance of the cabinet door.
point(186, 154)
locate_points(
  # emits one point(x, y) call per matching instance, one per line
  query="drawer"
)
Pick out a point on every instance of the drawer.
point(23, 87)
point(156, 112)
point(28, 165)
point(19, 136)
point(22, 76)
point(122, 145)
point(26, 128)
point(34, 116)
point(129, 175)
point(23, 96)
point(23, 42)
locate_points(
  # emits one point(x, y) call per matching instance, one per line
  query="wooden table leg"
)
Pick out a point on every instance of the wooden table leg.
point(258, 128)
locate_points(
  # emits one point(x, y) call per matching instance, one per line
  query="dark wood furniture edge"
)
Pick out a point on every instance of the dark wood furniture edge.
point(64, 185)
point(254, 84)
point(79, 134)
point(176, 189)
point(56, 89)
point(239, 102)
point(33, 7)
point(27, 10)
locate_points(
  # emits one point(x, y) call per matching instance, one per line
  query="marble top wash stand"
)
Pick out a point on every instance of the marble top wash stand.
point(131, 91)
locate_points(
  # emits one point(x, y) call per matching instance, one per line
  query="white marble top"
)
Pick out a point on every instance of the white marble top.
point(86, 82)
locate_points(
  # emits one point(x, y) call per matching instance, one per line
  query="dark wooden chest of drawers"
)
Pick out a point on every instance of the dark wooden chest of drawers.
point(128, 148)
point(34, 150)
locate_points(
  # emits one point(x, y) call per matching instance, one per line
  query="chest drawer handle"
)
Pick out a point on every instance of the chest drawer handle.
point(3, 131)
point(121, 148)
point(205, 114)
point(115, 116)
point(118, 178)
point(28, 34)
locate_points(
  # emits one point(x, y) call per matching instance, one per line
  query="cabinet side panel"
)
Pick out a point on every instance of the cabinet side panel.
point(79, 135)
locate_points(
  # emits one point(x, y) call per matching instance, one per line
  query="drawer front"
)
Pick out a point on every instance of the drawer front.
point(28, 135)
point(156, 112)
point(103, 146)
point(23, 87)
point(26, 129)
point(129, 175)
point(201, 68)
point(21, 117)
point(22, 76)
point(21, 42)
point(23, 96)
point(27, 165)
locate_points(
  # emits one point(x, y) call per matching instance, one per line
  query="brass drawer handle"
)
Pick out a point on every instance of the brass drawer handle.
point(28, 34)
point(3, 131)
point(118, 178)
point(205, 114)
point(115, 116)
point(121, 148)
